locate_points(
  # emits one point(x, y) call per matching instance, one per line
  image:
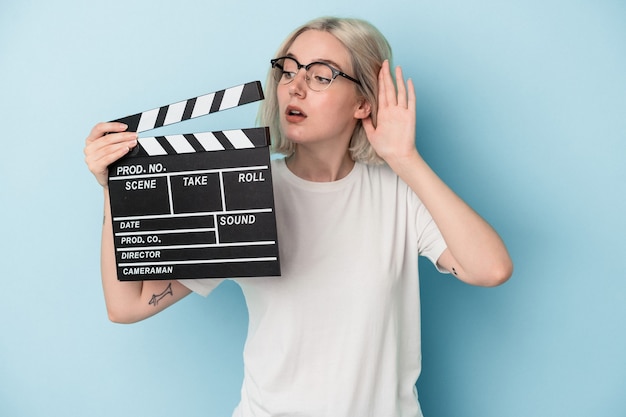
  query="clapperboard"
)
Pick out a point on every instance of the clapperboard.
point(197, 205)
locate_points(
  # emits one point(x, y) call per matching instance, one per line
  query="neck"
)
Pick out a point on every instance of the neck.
point(319, 167)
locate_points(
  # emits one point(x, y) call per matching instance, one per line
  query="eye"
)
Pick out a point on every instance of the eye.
point(322, 80)
point(320, 74)
point(288, 75)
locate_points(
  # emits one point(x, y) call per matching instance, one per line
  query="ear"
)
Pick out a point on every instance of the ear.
point(364, 109)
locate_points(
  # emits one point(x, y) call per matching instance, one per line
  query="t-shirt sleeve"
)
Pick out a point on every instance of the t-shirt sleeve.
point(430, 242)
point(201, 286)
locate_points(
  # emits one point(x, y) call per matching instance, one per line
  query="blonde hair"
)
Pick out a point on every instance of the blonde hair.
point(368, 48)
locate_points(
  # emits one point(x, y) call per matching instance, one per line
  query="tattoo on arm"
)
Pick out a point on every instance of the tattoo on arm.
point(158, 297)
point(454, 271)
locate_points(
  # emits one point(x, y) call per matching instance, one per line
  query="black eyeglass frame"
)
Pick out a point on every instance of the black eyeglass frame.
point(306, 67)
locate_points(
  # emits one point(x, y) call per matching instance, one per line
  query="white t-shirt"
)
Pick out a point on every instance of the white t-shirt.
point(338, 334)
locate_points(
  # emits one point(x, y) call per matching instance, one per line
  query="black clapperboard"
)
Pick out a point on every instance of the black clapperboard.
point(197, 205)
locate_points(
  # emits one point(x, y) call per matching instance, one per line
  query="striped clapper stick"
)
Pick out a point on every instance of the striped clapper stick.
point(194, 107)
point(197, 205)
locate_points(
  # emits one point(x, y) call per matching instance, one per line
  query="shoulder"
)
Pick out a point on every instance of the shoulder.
point(392, 186)
point(382, 174)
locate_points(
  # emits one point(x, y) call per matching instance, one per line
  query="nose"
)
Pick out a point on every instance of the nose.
point(298, 85)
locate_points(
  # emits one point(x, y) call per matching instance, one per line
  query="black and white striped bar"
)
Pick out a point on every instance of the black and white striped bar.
point(194, 107)
point(202, 142)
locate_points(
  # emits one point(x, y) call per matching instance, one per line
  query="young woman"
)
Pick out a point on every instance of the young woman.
point(338, 333)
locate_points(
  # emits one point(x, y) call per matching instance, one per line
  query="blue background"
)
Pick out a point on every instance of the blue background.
point(522, 110)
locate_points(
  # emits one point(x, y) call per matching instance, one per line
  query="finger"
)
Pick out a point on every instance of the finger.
point(99, 152)
point(109, 155)
point(390, 89)
point(115, 144)
point(382, 95)
point(402, 98)
point(103, 128)
point(100, 144)
point(99, 161)
point(412, 104)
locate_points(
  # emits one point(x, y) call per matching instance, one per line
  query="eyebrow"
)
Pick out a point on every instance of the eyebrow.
point(322, 60)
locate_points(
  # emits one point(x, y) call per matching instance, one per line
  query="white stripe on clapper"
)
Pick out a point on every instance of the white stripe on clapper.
point(175, 113)
point(231, 97)
point(180, 144)
point(151, 146)
point(147, 120)
point(208, 141)
point(203, 105)
point(238, 139)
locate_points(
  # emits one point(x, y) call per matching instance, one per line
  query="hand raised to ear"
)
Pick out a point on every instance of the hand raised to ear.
point(394, 134)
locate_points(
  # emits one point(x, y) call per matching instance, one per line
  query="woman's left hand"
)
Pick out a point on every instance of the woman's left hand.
point(393, 138)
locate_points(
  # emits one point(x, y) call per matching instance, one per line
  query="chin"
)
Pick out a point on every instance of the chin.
point(293, 136)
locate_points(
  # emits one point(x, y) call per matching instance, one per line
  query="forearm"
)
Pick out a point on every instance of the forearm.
point(478, 254)
point(131, 301)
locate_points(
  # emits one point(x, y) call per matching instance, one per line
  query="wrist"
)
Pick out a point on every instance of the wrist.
point(402, 163)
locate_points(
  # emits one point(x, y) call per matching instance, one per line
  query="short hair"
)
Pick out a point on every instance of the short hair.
point(367, 48)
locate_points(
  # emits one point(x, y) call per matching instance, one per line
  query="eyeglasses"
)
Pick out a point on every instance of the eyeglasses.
point(319, 75)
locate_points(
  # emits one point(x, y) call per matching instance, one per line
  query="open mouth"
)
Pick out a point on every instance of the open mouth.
point(294, 113)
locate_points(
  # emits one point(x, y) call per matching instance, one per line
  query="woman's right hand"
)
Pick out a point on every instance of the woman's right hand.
point(107, 142)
